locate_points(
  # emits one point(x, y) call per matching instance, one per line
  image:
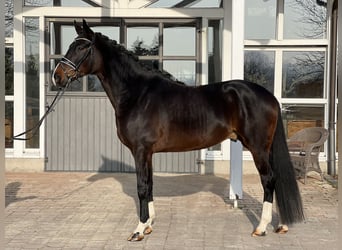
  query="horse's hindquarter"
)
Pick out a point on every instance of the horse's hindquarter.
point(256, 113)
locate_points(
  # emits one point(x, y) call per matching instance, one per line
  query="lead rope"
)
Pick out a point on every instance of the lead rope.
point(58, 96)
point(50, 108)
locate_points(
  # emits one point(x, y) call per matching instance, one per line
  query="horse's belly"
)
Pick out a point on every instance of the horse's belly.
point(190, 140)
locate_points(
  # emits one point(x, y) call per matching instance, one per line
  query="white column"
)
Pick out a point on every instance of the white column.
point(234, 21)
point(204, 79)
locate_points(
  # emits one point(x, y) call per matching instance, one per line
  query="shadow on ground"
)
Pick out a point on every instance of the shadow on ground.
point(11, 193)
point(183, 185)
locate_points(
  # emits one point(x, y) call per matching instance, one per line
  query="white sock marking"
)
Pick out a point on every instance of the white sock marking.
point(266, 216)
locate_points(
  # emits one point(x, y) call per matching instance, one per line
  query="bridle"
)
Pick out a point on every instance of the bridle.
point(74, 68)
point(61, 90)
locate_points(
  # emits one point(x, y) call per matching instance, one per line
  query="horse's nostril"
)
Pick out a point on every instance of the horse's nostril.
point(56, 79)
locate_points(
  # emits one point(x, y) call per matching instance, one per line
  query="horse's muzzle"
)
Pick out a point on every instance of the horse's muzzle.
point(59, 77)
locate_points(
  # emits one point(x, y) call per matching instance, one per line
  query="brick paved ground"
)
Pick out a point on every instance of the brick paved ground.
point(98, 211)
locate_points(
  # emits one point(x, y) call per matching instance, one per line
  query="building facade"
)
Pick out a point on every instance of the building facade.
point(283, 45)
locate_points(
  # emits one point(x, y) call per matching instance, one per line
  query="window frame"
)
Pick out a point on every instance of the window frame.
point(123, 24)
point(280, 45)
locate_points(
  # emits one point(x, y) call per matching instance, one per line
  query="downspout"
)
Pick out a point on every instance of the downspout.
point(331, 157)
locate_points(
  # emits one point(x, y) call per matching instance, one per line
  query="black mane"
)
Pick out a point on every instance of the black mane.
point(118, 48)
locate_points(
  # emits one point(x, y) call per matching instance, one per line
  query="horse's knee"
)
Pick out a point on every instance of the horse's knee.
point(142, 191)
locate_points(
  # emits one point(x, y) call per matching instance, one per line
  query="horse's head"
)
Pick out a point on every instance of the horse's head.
point(80, 58)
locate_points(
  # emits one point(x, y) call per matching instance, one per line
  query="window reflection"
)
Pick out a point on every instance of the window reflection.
point(9, 76)
point(143, 41)
point(259, 68)
point(94, 84)
point(214, 51)
point(66, 3)
point(298, 117)
point(304, 19)
point(8, 124)
point(9, 14)
point(184, 71)
point(179, 41)
point(32, 77)
point(260, 19)
point(185, 4)
point(303, 74)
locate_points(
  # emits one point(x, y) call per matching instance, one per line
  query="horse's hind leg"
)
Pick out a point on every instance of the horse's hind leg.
point(143, 162)
point(268, 184)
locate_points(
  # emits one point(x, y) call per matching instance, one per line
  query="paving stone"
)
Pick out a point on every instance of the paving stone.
point(98, 211)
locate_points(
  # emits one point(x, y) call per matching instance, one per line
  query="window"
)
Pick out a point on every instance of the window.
point(303, 74)
point(214, 68)
point(186, 46)
point(297, 117)
point(185, 4)
point(143, 40)
point(261, 19)
point(157, 45)
point(288, 57)
point(62, 35)
point(259, 68)
point(177, 57)
point(9, 18)
point(9, 97)
point(32, 77)
point(8, 124)
point(65, 3)
point(182, 70)
point(9, 77)
point(180, 55)
point(304, 19)
point(9, 74)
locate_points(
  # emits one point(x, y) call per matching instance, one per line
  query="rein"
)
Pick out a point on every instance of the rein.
point(61, 91)
point(50, 108)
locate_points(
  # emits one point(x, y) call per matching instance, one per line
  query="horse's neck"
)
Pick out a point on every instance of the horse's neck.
point(122, 84)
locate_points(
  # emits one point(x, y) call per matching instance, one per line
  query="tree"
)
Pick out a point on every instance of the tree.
point(259, 68)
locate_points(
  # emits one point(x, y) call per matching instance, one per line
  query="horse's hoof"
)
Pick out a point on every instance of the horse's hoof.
point(258, 233)
point(135, 237)
point(148, 230)
point(283, 229)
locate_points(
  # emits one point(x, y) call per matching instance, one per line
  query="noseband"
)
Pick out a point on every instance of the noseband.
point(74, 67)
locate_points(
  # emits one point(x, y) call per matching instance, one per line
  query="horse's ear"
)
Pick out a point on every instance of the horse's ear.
point(86, 29)
point(78, 28)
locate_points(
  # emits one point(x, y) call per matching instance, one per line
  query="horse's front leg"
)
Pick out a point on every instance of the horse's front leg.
point(143, 162)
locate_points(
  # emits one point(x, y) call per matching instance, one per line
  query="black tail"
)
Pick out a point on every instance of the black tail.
point(286, 188)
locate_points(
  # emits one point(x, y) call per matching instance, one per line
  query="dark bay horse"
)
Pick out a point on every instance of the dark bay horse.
point(157, 114)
